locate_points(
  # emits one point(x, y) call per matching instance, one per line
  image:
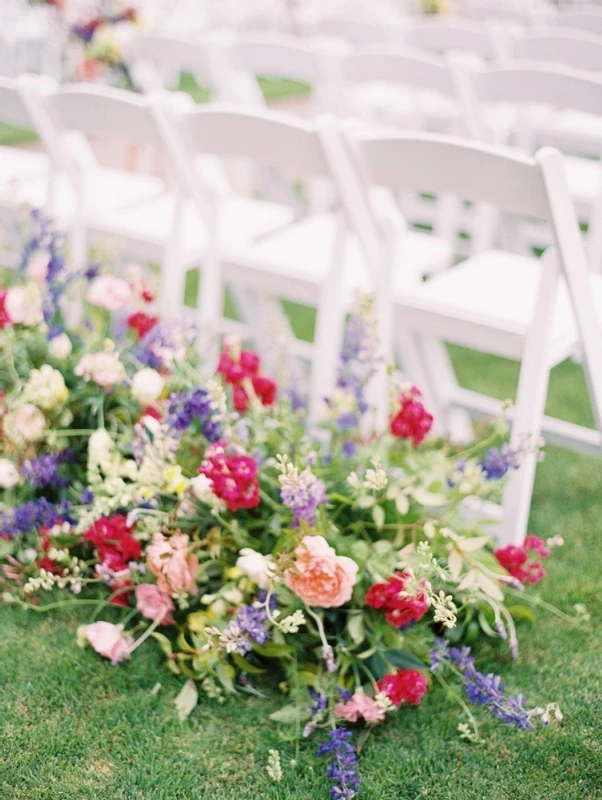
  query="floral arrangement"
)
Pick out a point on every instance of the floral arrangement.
point(213, 521)
point(98, 32)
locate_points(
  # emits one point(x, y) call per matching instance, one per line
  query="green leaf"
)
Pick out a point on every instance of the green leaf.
point(355, 626)
point(404, 659)
point(291, 714)
point(187, 700)
point(245, 665)
point(273, 650)
point(225, 672)
point(522, 613)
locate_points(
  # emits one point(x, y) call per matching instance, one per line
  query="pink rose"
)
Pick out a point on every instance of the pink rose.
point(360, 707)
point(37, 266)
point(109, 641)
point(168, 558)
point(23, 304)
point(320, 577)
point(153, 603)
point(109, 292)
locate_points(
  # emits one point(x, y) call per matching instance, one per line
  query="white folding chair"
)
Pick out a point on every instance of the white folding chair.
point(532, 311)
point(537, 93)
point(573, 48)
point(525, 14)
point(356, 31)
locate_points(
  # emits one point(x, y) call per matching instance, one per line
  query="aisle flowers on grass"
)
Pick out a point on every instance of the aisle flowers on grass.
point(214, 522)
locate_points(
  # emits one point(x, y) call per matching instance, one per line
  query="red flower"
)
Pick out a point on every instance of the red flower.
point(151, 411)
point(412, 421)
point(515, 560)
point(50, 566)
point(114, 543)
point(4, 318)
point(403, 686)
point(141, 323)
point(243, 373)
point(400, 609)
point(233, 477)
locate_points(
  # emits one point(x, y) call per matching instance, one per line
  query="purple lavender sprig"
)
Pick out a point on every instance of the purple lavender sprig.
point(197, 404)
point(497, 462)
point(488, 691)
point(33, 515)
point(342, 770)
point(44, 470)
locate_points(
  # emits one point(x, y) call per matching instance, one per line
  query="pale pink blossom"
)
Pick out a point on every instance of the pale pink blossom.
point(37, 266)
point(109, 641)
point(103, 368)
point(23, 304)
point(320, 577)
point(360, 707)
point(172, 563)
point(110, 292)
point(154, 603)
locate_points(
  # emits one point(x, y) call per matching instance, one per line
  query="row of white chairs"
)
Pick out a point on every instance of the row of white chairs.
point(404, 87)
point(537, 312)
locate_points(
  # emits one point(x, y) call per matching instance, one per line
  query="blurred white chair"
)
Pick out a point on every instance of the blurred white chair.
point(532, 311)
point(554, 46)
point(537, 94)
point(525, 14)
point(355, 31)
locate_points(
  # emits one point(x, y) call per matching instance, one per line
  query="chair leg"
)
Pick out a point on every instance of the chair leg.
point(456, 421)
point(330, 322)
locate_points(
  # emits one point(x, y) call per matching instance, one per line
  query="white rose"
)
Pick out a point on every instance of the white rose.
point(147, 386)
point(60, 346)
point(23, 304)
point(100, 446)
point(46, 388)
point(152, 425)
point(259, 568)
point(9, 474)
point(27, 422)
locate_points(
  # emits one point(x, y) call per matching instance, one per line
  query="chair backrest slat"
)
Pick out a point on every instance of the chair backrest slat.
point(102, 110)
point(260, 136)
point(172, 55)
point(589, 20)
point(559, 87)
point(445, 165)
point(276, 57)
point(571, 47)
point(441, 36)
point(406, 66)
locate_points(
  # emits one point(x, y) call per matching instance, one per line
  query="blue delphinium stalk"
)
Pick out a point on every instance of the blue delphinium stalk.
point(165, 343)
point(197, 404)
point(488, 691)
point(497, 462)
point(44, 470)
point(33, 515)
point(342, 770)
point(356, 366)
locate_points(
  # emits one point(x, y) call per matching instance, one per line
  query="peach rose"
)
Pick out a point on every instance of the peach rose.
point(109, 641)
point(153, 603)
point(110, 292)
point(320, 577)
point(168, 558)
point(360, 707)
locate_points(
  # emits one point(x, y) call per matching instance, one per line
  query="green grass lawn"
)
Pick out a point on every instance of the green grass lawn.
point(75, 727)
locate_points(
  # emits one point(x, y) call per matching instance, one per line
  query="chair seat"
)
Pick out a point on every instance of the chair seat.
point(106, 188)
point(495, 292)
point(147, 227)
point(17, 163)
point(293, 264)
